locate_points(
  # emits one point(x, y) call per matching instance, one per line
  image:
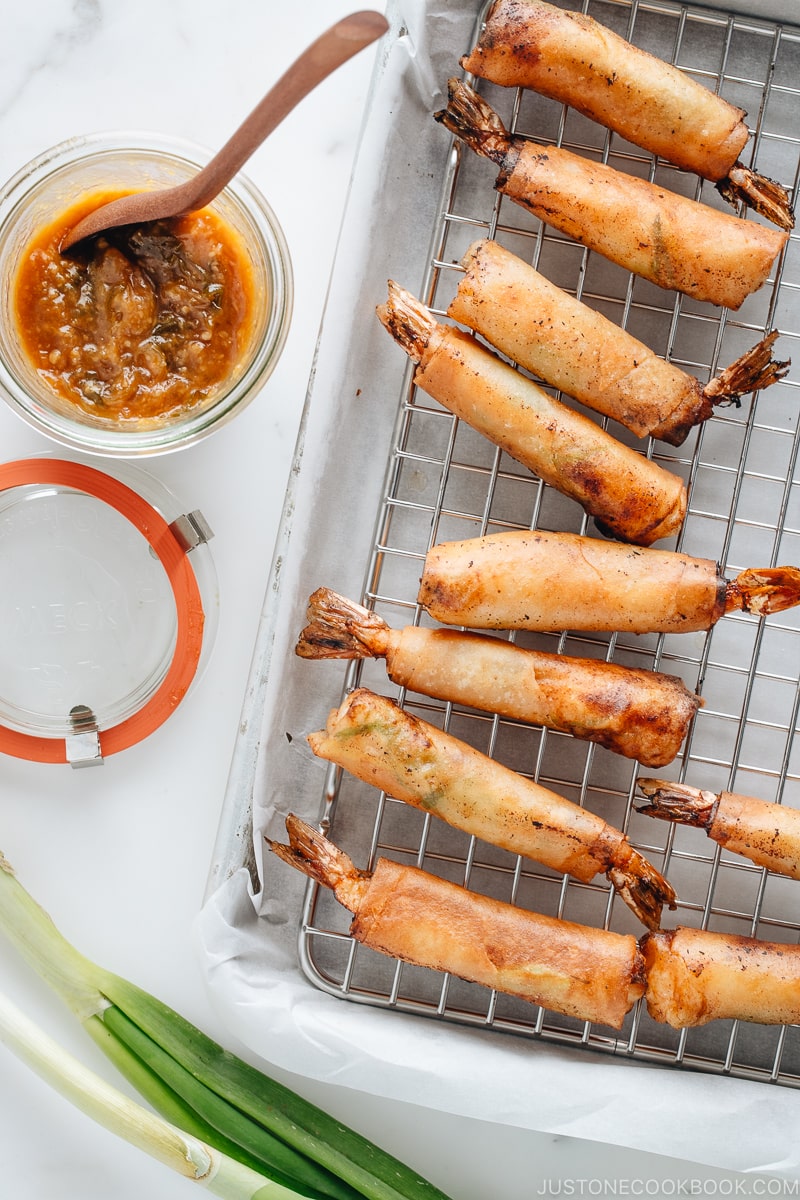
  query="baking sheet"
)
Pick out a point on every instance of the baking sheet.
point(249, 924)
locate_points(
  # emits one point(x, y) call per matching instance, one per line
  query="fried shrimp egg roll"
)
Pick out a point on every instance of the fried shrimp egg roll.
point(640, 714)
point(409, 914)
point(555, 581)
point(582, 353)
point(695, 976)
point(571, 58)
point(629, 496)
point(766, 833)
point(668, 239)
point(377, 741)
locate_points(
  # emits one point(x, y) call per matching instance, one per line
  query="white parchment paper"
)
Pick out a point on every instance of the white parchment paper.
point(248, 926)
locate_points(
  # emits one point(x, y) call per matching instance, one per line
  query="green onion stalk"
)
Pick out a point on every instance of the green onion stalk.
point(223, 1107)
point(187, 1155)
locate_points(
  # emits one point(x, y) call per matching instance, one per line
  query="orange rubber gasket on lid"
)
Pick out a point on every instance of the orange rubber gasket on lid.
point(188, 604)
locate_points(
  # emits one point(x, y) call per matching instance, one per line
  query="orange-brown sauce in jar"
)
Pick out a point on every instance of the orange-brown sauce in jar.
point(140, 322)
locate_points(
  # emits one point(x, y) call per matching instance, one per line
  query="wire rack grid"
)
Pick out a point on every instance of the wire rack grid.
point(444, 481)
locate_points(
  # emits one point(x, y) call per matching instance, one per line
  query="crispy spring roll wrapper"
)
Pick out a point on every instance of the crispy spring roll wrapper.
point(377, 741)
point(570, 57)
point(644, 715)
point(695, 976)
point(766, 833)
point(555, 581)
point(668, 239)
point(592, 974)
point(578, 350)
point(629, 496)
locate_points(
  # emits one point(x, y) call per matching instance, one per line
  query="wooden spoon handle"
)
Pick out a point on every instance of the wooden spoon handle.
point(329, 51)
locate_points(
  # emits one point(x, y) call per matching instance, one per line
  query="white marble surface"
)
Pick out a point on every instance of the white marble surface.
point(119, 854)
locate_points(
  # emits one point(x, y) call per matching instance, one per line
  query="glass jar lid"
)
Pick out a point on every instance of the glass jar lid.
point(107, 610)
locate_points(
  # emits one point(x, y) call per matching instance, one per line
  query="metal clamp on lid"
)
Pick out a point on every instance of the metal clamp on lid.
point(191, 529)
point(83, 746)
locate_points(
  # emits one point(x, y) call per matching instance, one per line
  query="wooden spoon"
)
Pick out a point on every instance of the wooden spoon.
point(333, 48)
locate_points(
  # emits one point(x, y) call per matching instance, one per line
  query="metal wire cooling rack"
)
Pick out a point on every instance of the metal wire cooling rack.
point(446, 482)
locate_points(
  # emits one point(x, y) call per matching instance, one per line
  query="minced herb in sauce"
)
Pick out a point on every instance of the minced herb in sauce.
point(140, 322)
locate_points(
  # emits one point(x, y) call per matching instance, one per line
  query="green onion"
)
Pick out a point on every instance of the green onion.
point(200, 1087)
point(277, 1159)
point(185, 1154)
point(218, 1117)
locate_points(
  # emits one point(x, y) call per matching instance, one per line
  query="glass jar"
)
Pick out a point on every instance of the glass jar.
point(52, 184)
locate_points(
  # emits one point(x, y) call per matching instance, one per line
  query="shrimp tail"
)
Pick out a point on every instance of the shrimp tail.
point(678, 802)
point(755, 370)
point(641, 886)
point(763, 590)
point(340, 628)
point(470, 118)
point(409, 322)
point(313, 855)
point(758, 192)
